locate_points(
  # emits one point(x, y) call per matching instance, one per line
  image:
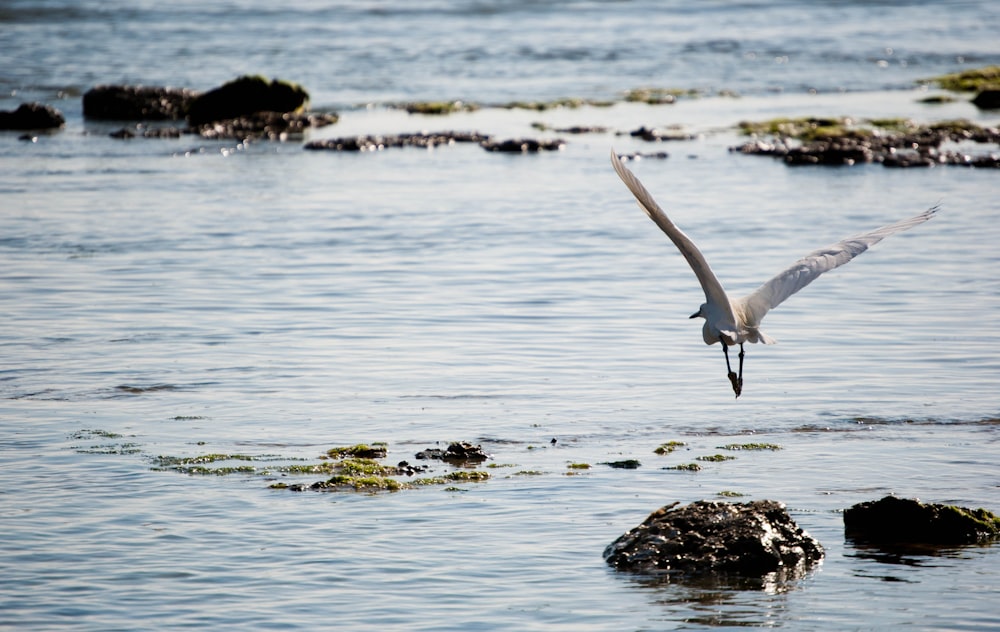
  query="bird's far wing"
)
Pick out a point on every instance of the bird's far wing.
point(714, 293)
point(805, 270)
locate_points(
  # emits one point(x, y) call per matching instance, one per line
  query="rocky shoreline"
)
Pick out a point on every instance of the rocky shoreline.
point(254, 108)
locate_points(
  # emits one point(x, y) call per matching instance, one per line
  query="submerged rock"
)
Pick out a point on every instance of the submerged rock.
point(894, 520)
point(380, 142)
point(987, 100)
point(31, 116)
point(749, 540)
point(523, 145)
point(137, 103)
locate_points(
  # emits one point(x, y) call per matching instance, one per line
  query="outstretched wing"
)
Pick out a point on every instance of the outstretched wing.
point(714, 293)
point(805, 270)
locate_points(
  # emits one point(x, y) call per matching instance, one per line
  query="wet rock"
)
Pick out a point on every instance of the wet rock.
point(639, 155)
point(657, 135)
point(269, 125)
point(31, 116)
point(987, 100)
point(523, 145)
point(627, 464)
point(246, 96)
point(894, 520)
point(137, 103)
point(918, 147)
point(147, 132)
point(750, 540)
point(458, 452)
point(380, 142)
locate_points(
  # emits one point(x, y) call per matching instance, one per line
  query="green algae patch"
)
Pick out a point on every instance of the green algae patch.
point(974, 80)
point(714, 458)
point(804, 128)
point(377, 450)
point(579, 466)
point(751, 446)
point(668, 447)
point(365, 467)
point(657, 96)
point(528, 473)
point(361, 483)
point(686, 467)
point(468, 476)
point(565, 103)
point(439, 108)
point(729, 494)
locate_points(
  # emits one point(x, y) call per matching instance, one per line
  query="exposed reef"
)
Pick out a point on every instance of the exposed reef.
point(715, 538)
point(249, 107)
point(894, 143)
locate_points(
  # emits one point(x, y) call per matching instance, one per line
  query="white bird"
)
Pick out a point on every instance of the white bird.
point(735, 321)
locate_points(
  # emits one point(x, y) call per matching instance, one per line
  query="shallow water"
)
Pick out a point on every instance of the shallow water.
point(197, 297)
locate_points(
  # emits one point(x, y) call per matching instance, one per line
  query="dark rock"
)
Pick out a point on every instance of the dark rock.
point(31, 116)
point(987, 100)
point(245, 96)
point(657, 135)
point(627, 464)
point(458, 452)
point(269, 125)
point(750, 540)
point(379, 142)
point(894, 520)
point(137, 103)
point(523, 146)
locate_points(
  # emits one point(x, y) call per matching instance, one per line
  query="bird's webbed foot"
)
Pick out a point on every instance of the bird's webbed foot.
point(737, 383)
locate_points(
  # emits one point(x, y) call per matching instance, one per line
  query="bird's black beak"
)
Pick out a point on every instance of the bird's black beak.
point(695, 315)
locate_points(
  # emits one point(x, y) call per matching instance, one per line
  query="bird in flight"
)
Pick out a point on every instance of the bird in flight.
point(736, 321)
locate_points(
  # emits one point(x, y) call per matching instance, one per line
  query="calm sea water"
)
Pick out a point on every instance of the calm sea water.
point(183, 297)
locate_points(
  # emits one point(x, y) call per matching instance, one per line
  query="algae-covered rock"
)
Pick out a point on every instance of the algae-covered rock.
point(245, 96)
point(752, 540)
point(894, 520)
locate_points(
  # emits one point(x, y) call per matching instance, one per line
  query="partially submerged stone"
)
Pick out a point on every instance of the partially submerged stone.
point(380, 141)
point(894, 520)
point(706, 538)
point(31, 116)
point(523, 145)
point(245, 96)
point(458, 452)
point(137, 103)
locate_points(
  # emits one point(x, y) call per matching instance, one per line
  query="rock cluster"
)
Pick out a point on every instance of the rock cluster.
point(245, 108)
point(750, 540)
point(919, 148)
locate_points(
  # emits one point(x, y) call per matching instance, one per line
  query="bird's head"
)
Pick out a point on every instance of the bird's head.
point(700, 313)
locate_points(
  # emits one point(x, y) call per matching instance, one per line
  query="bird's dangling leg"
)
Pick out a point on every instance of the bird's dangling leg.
point(735, 380)
point(739, 379)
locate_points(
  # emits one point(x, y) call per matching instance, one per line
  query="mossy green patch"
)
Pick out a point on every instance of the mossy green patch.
point(528, 473)
point(439, 108)
point(973, 80)
point(729, 494)
point(363, 483)
point(751, 446)
point(468, 476)
point(376, 450)
point(805, 128)
point(657, 96)
point(668, 447)
point(365, 467)
point(579, 466)
point(714, 458)
point(687, 467)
